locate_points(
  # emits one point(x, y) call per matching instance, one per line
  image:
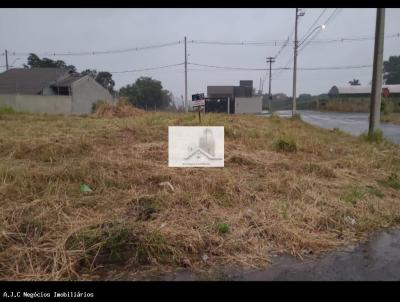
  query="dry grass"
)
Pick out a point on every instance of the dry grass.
point(393, 118)
point(264, 200)
point(121, 109)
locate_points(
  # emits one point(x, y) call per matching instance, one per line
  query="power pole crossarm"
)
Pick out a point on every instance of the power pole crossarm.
point(375, 109)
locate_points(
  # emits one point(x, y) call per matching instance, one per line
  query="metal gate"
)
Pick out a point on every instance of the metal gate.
point(220, 105)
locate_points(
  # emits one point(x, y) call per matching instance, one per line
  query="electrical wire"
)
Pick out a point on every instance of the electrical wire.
point(281, 68)
point(145, 69)
point(99, 52)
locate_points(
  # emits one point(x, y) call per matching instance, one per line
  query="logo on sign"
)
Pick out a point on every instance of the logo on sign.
point(196, 146)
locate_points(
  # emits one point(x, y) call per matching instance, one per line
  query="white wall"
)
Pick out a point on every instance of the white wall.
point(53, 104)
point(85, 92)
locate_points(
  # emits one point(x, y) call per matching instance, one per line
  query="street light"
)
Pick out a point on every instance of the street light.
point(321, 27)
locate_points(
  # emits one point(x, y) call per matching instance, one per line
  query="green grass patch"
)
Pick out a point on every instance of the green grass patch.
point(285, 144)
point(392, 181)
point(375, 137)
point(375, 191)
point(222, 228)
point(352, 195)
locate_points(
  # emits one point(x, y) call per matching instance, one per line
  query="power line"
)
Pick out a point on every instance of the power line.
point(146, 69)
point(281, 68)
point(273, 43)
point(331, 17)
point(315, 22)
point(103, 52)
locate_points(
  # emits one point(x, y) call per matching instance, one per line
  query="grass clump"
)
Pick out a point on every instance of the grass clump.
point(7, 110)
point(375, 137)
point(352, 195)
point(106, 242)
point(393, 181)
point(222, 227)
point(375, 191)
point(285, 144)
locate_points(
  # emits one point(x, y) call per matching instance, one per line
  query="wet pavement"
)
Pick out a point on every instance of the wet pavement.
point(352, 122)
point(378, 259)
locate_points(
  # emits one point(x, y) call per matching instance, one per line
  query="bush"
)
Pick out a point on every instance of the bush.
point(285, 145)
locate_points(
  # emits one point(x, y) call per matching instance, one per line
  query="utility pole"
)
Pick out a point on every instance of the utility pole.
point(6, 59)
point(375, 108)
point(295, 64)
point(270, 60)
point(186, 98)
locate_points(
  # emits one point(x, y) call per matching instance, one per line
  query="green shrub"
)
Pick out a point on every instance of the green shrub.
point(285, 145)
point(222, 227)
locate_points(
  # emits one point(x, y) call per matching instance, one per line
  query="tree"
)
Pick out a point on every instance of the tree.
point(34, 61)
point(105, 80)
point(391, 70)
point(147, 93)
point(355, 82)
point(90, 72)
point(304, 97)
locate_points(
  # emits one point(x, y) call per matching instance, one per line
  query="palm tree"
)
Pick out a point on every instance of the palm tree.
point(355, 82)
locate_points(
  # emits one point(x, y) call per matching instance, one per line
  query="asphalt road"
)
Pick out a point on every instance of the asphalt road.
point(354, 123)
point(375, 260)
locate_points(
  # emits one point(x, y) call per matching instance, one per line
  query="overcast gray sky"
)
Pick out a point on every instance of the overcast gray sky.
point(74, 30)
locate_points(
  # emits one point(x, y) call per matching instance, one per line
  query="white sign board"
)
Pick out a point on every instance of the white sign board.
point(198, 103)
point(195, 146)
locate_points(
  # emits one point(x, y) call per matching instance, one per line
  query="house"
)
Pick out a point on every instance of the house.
point(233, 99)
point(50, 90)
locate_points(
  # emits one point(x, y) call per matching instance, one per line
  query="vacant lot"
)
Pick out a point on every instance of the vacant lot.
point(286, 187)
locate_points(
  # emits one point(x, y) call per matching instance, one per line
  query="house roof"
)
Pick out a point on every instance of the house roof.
point(335, 90)
point(393, 88)
point(30, 80)
point(353, 89)
point(66, 81)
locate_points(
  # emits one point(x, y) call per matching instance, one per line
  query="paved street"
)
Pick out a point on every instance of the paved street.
point(351, 122)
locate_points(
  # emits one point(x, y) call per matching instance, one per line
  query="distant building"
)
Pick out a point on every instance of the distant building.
point(50, 90)
point(233, 99)
point(363, 91)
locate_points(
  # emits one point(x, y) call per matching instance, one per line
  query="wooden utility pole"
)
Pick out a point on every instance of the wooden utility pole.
point(6, 53)
point(375, 108)
point(270, 60)
point(186, 98)
point(295, 63)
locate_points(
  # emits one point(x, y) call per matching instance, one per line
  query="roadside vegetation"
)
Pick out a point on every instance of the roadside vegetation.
point(85, 198)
